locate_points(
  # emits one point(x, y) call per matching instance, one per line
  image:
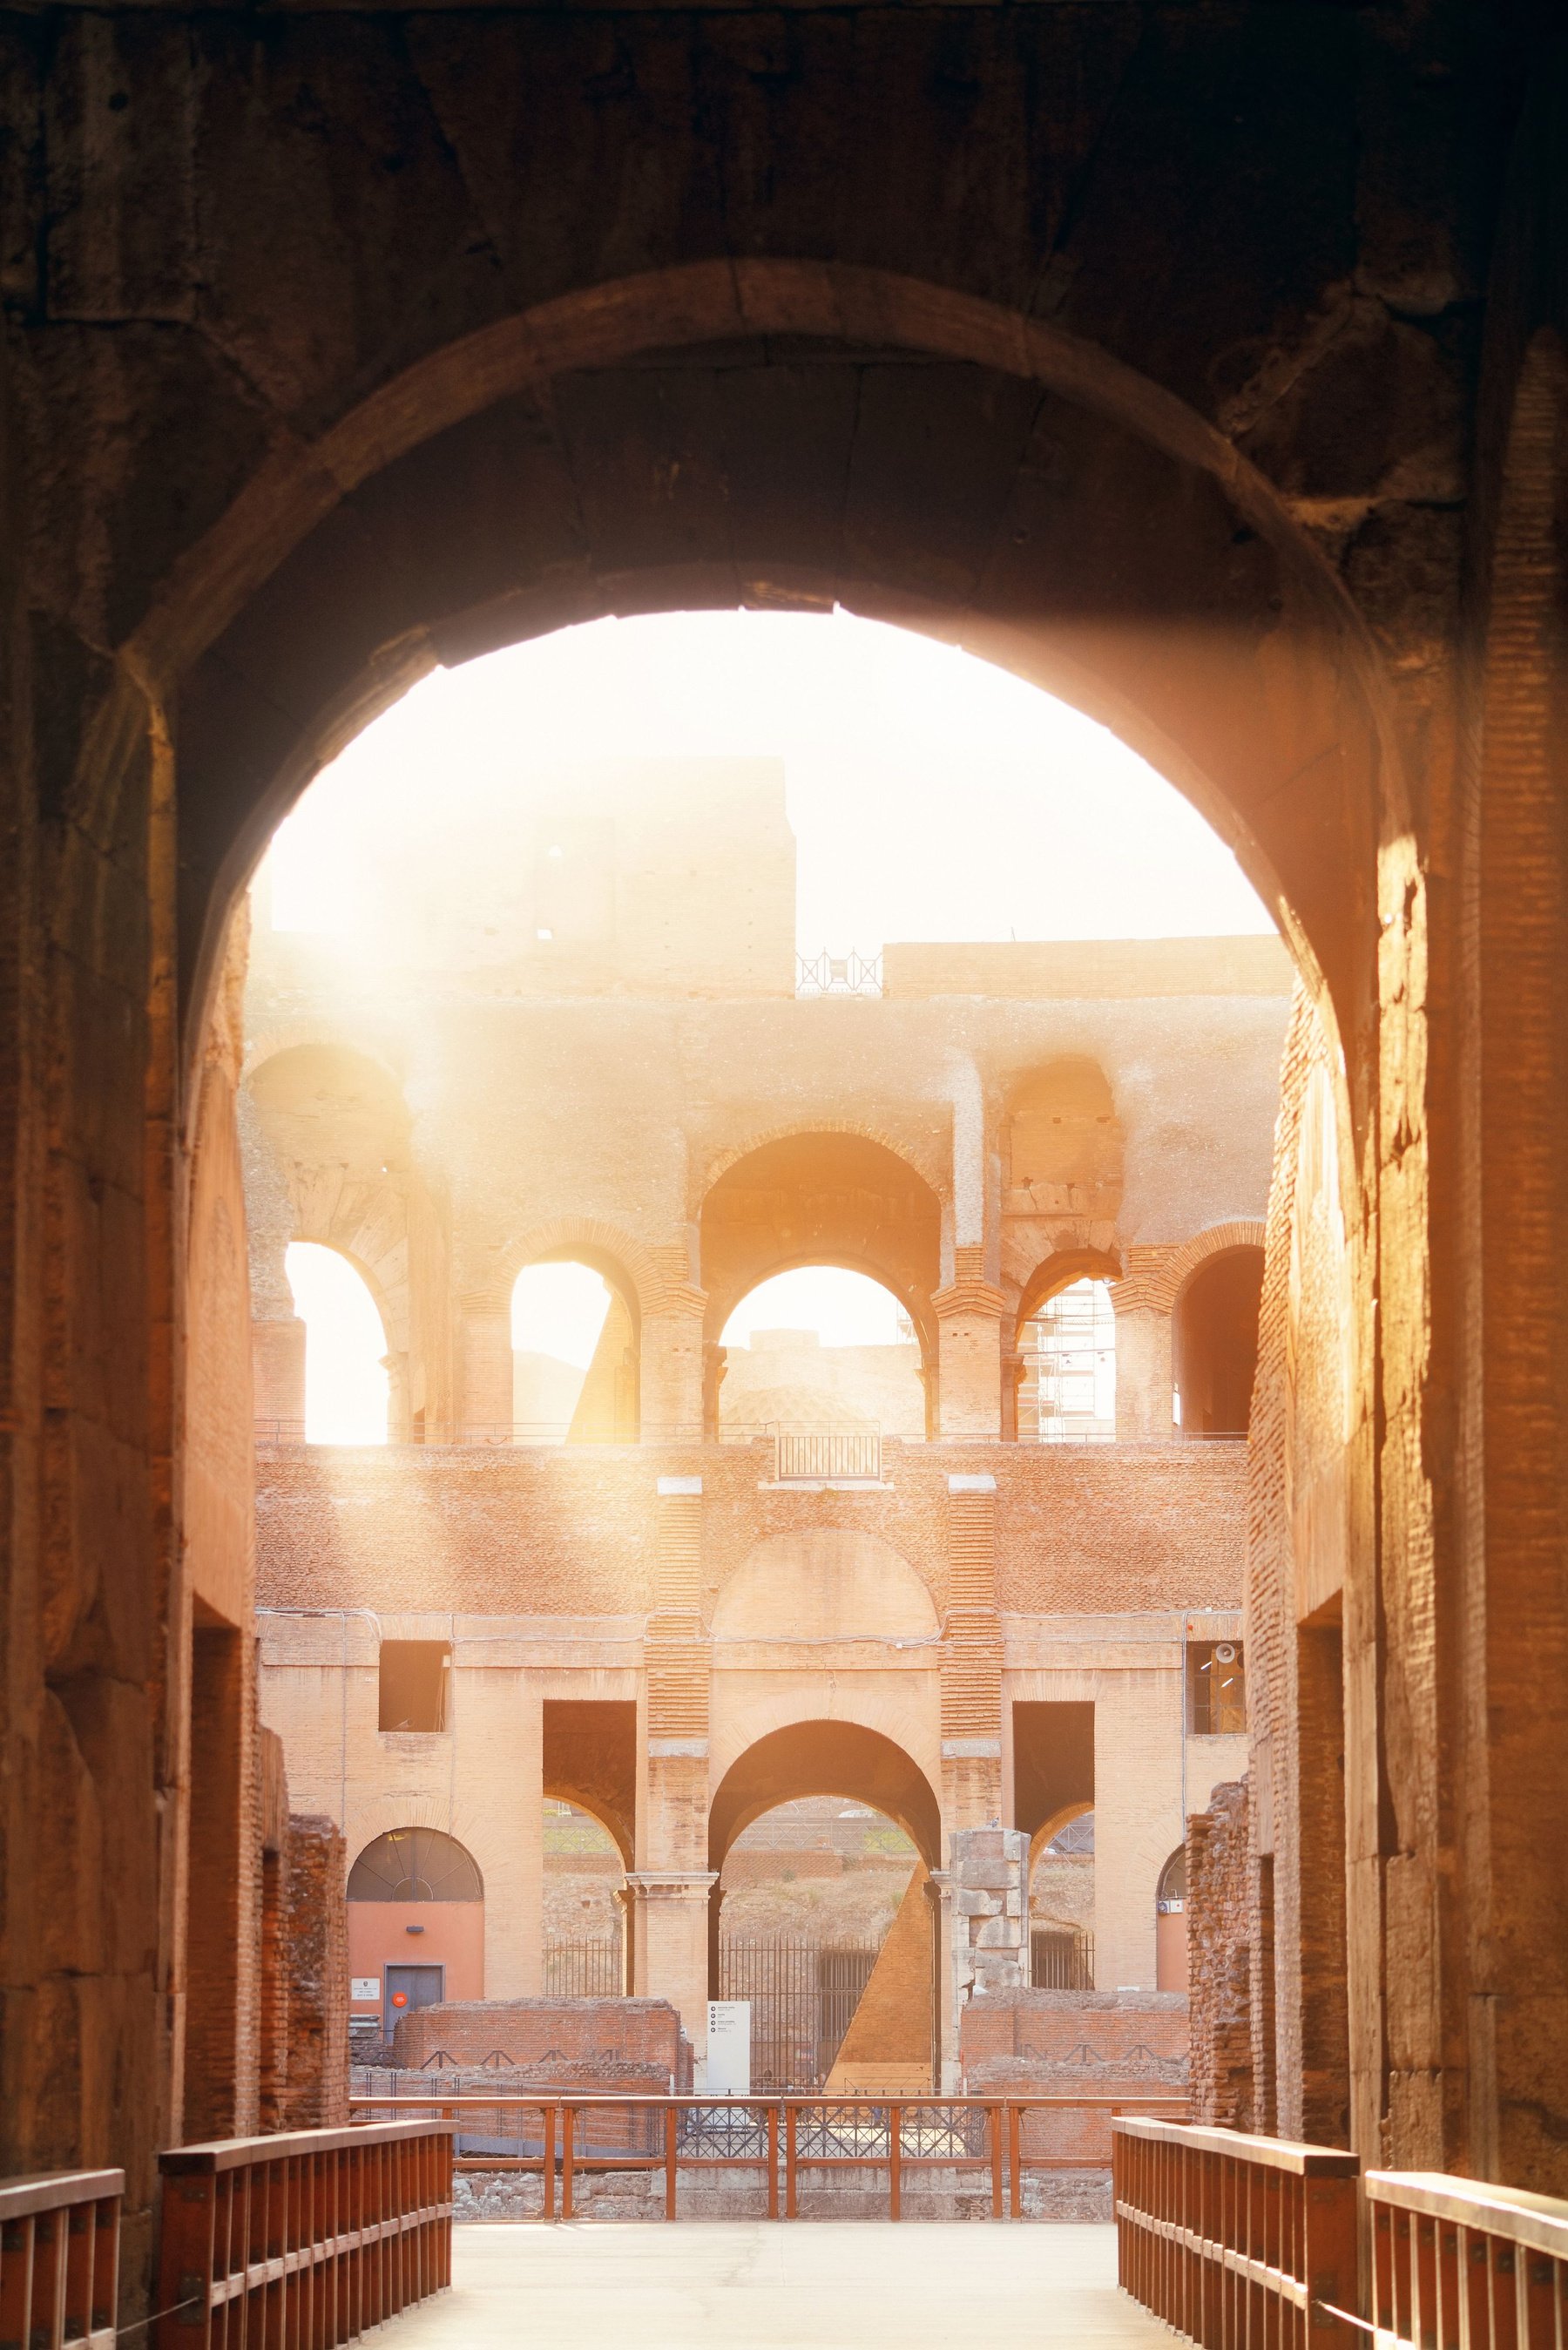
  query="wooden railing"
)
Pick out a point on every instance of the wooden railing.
point(310, 2238)
point(1457, 2265)
point(1234, 2240)
point(59, 2259)
point(782, 2142)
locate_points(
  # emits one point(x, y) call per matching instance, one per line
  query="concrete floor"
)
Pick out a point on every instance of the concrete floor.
point(712, 2286)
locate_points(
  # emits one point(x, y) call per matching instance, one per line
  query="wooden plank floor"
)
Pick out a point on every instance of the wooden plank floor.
point(829, 2285)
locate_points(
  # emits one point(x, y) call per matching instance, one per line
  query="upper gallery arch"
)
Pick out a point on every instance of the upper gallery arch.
point(1083, 528)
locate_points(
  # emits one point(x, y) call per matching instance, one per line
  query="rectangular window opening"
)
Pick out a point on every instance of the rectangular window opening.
point(1216, 1689)
point(413, 1685)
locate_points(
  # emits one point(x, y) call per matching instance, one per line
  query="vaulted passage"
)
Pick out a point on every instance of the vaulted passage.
point(652, 658)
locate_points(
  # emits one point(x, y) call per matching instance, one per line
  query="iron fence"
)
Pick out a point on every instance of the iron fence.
point(589, 1969)
point(803, 1996)
point(1061, 1958)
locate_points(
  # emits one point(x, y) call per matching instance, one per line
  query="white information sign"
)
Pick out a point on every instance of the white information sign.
point(730, 2047)
point(366, 1987)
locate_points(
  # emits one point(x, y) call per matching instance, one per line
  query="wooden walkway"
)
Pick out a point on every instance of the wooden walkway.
point(828, 2285)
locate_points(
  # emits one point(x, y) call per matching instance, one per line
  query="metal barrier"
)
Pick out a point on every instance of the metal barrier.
point(1460, 2265)
point(1234, 2240)
point(804, 1456)
point(779, 2139)
point(311, 2237)
point(59, 2259)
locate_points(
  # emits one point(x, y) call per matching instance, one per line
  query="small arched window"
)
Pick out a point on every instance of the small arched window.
point(415, 1865)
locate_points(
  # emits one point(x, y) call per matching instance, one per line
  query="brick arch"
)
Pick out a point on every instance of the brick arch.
point(931, 1170)
point(1205, 627)
point(1059, 1271)
point(1158, 1287)
point(817, 1756)
point(645, 1279)
point(907, 1717)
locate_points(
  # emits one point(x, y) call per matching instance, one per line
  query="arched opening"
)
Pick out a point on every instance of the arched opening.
point(584, 1871)
point(1215, 1344)
point(821, 1355)
point(810, 1893)
point(831, 1932)
point(823, 1202)
point(347, 1387)
point(1171, 1924)
point(1062, 1902)
point(416, 1931)
point(574, 1355)
point(1068, 1350)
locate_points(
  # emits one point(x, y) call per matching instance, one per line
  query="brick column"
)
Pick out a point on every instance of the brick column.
point(484, 1387)
point(670, 1892)
point(969, 1312)
point(1142, 1305)
point(672, 1355)
point(971, 1660)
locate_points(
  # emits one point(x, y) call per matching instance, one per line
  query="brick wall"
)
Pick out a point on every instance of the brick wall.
point(1221, 1929)
point(601, 2044)
point(571, 1532)
point(1062, 2044)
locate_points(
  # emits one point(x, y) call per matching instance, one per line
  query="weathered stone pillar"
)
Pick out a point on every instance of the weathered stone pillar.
point(990, 1921)
point(485, 1383)
point(944, 2019)
point(971, 1660)
point(969, 1312)
point(671, 1889)
point(672, 1357)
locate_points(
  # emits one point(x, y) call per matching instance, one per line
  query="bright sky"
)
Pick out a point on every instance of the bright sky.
point(345, 1385)
point(560, 1309)
point(845, 1309)
point(885, 737)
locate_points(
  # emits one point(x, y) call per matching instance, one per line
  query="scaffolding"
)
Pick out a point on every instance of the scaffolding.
point(1068, 1393)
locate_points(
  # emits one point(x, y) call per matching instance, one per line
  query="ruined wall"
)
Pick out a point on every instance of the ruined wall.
point(315, 1969)
point(1298, 1545)
point(1221, 1928)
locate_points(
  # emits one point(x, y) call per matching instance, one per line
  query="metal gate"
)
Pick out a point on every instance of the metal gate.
point(803, 1996)
point(589, 1969)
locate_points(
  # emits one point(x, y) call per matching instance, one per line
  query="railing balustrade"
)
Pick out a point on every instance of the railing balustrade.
point(1460, 2265)
point(804, 1456)
point(311, 2237)
point(59, 2259)
point(1234, 2240)
point(564, 2139)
